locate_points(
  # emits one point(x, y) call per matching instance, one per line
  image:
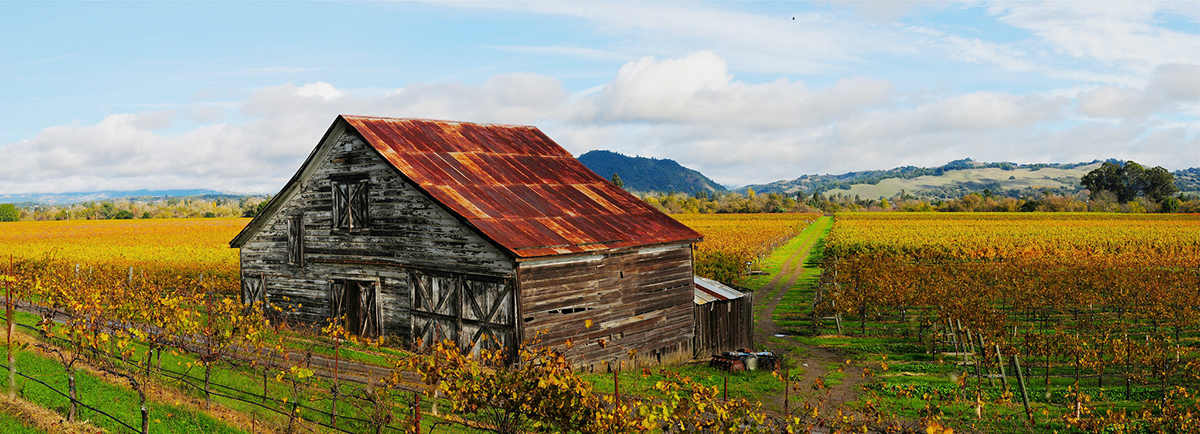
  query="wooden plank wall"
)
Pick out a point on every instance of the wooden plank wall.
point(407, 230)
point(724, 325)
point(637, 299)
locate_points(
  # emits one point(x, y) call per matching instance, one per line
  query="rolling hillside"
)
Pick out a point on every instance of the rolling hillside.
point(957, 178)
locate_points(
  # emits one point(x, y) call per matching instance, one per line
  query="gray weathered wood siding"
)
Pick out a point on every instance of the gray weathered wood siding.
point(638, 299)
point(407, 230)
point(724, 325)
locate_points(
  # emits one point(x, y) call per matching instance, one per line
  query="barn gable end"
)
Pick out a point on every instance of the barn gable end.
point(407, 231)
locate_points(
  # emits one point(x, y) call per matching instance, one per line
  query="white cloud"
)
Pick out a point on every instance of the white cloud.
point(690, 108)
point(1172, 87)
point(320, 89)
point(1122, 33)
point(698, 88)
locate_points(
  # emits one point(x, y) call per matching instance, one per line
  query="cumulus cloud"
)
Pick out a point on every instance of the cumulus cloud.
point(1172, 87)
point(698, 88)
point(691, 108)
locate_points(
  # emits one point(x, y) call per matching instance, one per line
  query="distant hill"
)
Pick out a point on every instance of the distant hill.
point(955, 179)
point(95, 196)
point(648, 174)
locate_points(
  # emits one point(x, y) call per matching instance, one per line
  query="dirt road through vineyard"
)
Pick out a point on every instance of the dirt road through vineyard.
point(808, 363)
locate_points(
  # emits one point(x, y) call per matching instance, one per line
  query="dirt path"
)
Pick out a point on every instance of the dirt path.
point(816, 362)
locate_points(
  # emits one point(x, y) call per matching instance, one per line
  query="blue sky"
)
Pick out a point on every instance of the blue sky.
point(233, 96)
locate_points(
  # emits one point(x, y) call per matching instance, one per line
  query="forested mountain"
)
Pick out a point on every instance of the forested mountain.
point(643, 174)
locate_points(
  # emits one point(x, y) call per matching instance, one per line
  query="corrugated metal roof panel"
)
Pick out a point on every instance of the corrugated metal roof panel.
point(708, 290)
point(518, 187)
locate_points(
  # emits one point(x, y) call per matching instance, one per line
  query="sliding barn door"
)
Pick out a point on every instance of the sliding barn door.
point(473, 312)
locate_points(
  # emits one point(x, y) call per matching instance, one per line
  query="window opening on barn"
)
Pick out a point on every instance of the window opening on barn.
point(355, 305)
point(350, 204)
point(295, 240)
point(569, 310)
point(252, 289)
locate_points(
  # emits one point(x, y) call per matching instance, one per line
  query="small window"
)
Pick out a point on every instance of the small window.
point(350, 205)
point(295, 240)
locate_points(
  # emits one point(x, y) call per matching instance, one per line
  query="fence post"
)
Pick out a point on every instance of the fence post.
point(1000, 364)
point(145, 410)
point(983, 360)
point(74, 396)
point(1021, 382)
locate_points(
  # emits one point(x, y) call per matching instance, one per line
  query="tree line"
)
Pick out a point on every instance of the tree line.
point(120, 209)
point(1113, 187)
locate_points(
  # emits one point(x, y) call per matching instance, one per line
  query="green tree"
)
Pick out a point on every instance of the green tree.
point(616, 180)
point(1159, 184)
point(1171, 204)
point(1130, 180)
point(9, 213)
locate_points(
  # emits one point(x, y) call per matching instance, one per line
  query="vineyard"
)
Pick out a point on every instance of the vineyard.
point(147, 305)
point(1099, 313)
point(164, 248)
point(1090, 320)
point(731, 241)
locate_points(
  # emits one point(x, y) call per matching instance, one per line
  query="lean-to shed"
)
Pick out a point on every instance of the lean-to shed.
point(724, 318)
point(420, 230)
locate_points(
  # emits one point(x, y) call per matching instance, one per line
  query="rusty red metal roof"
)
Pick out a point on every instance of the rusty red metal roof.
point(517, 187)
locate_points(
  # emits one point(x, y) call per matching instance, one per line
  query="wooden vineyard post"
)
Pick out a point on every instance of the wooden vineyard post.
point(975, 359)
point(969, 343)
point(145, 410)
point(953, 338)
point(616, 386)
point(1128, 364)
point(787, 387)
point(416, 414)
point(983, 360)
point(726, 389)
point(1000, 365)
point(1021, 382)
point(8, 305)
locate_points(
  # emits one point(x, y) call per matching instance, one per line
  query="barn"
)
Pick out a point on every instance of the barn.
point(417, 231)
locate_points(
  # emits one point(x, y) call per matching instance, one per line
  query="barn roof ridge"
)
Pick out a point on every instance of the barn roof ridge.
point(440, 121)
point(512, 184)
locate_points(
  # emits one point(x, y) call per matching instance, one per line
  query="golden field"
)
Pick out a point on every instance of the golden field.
point(188, 247)
point(184, 247)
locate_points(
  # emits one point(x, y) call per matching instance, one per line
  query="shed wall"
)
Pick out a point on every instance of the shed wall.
point(724, 325)
point(638, 299)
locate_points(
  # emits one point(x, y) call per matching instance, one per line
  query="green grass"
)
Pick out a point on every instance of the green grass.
point(12, 425)
point(314, 391)
point(933, 378)
point(752, 385)
point(119, 402)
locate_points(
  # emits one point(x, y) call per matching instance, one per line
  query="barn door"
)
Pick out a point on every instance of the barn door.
point(355, 305)
point(435, 308)
point(474, 312)
point(488, 313)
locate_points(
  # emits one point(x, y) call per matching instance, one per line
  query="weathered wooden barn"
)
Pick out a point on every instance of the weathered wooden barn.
point(421, 230)
point(724, 318)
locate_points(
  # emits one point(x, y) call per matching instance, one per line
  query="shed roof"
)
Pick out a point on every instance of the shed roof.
point(516, 186)
point(708, 290)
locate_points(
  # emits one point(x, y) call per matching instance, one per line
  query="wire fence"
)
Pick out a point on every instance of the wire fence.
point(299, 414)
